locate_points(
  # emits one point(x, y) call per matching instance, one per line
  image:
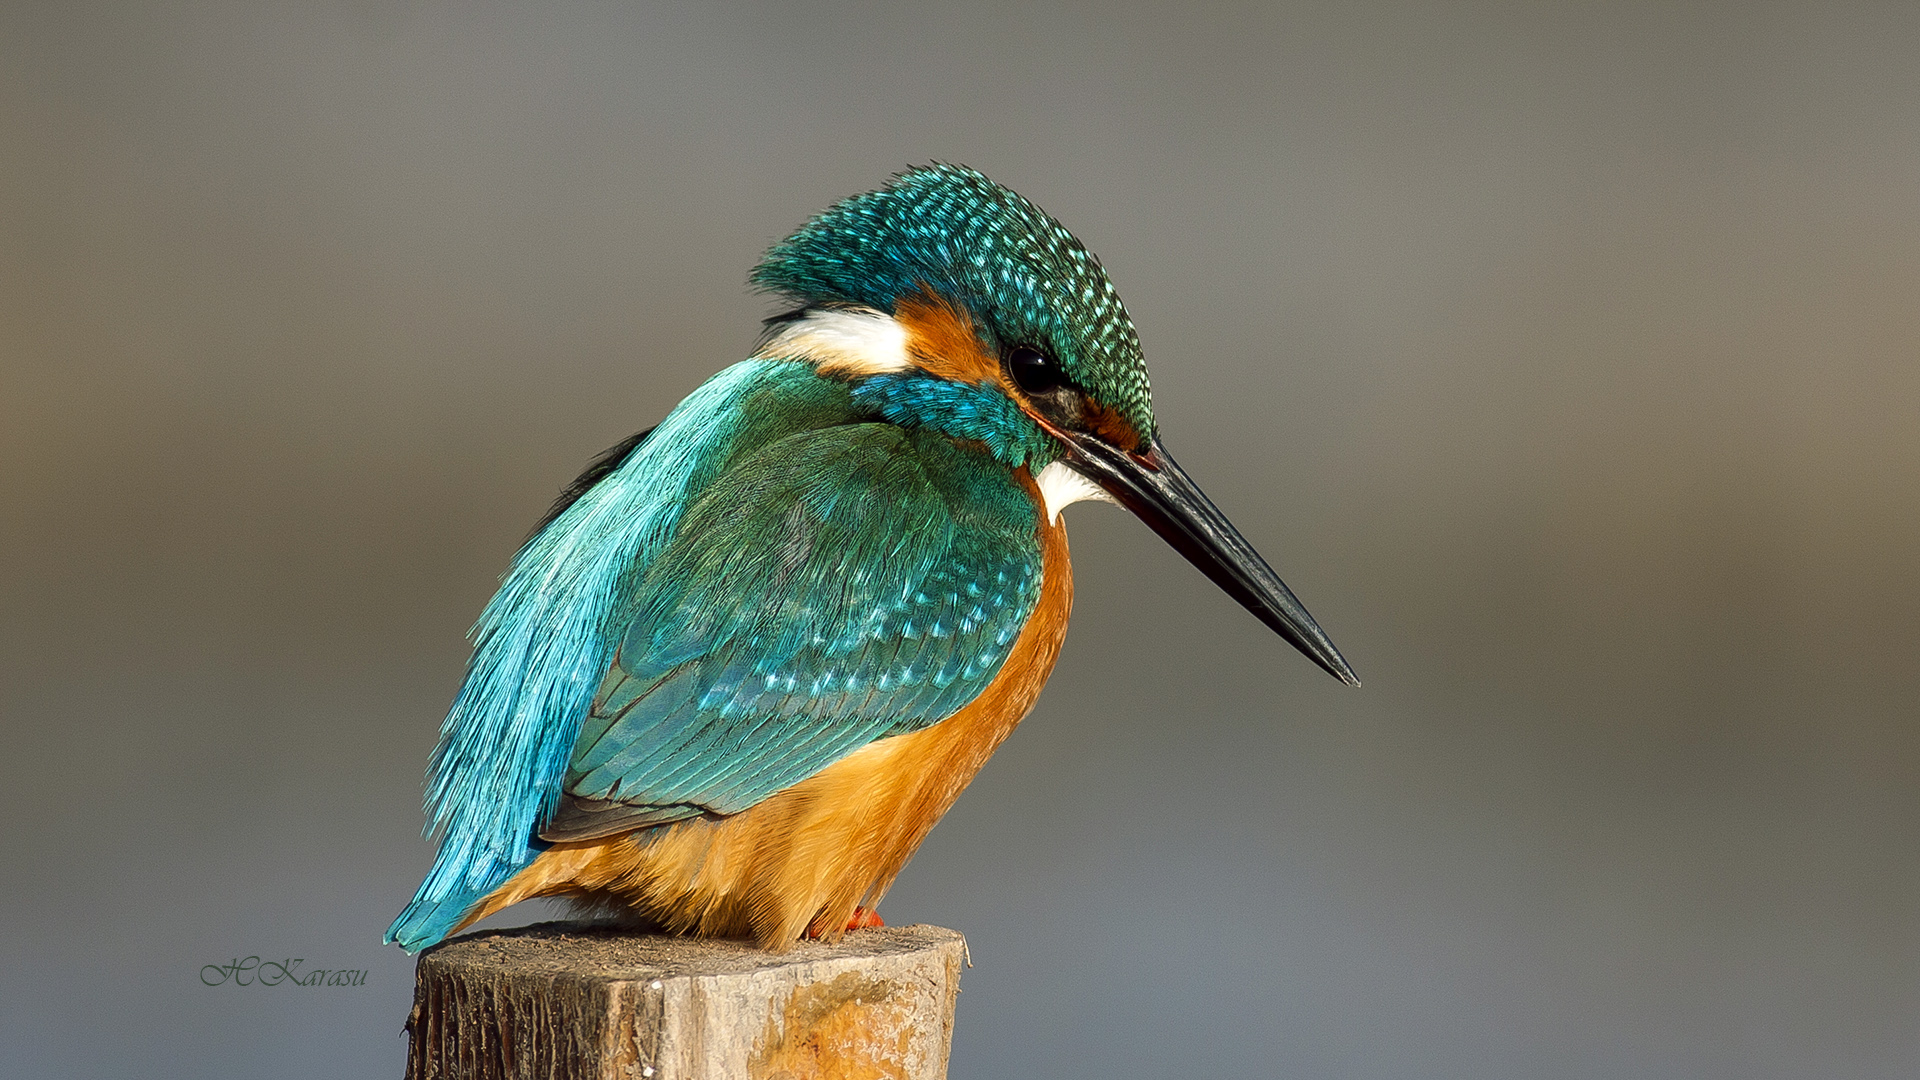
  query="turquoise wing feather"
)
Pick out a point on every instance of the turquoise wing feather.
point(546, 639)
point(836, 587)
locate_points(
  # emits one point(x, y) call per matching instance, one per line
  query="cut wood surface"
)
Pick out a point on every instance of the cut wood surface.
point(576, 1000)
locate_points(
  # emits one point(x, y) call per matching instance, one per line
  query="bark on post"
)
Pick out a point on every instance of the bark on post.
point(575, 1000)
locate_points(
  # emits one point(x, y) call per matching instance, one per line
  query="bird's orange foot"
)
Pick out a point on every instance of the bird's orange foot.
point(862, 920)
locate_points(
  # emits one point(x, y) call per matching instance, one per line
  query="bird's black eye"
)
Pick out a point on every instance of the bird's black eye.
point(1034, 371)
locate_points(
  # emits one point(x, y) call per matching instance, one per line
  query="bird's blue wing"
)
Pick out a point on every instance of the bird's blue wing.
point(836, 587)
point(547, 637)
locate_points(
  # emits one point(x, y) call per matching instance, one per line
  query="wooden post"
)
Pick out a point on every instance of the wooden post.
point(576, 1000)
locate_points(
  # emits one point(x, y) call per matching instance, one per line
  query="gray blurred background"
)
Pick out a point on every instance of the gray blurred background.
point(1565, 359)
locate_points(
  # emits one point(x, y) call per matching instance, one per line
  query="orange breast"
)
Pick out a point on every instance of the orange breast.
point(809, 855)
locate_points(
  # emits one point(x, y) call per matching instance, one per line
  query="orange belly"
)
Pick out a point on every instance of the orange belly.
point(808, 855)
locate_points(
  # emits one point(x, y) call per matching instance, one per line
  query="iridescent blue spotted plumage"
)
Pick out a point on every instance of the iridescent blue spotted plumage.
point(985, 248)
point(751, 660)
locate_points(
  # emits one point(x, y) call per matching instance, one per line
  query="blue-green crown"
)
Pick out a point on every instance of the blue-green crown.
point(1024, 278)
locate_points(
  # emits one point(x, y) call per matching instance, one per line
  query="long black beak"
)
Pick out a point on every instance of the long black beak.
point(1160, 493)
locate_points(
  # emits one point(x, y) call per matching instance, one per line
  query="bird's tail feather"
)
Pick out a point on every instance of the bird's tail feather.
point(428, 920)
point(445, 899)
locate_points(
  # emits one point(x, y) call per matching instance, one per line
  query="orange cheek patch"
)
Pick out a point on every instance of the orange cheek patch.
point(941, 341)
point(1112, 427)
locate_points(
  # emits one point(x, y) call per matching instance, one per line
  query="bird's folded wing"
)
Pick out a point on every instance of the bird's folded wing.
point(834, 588)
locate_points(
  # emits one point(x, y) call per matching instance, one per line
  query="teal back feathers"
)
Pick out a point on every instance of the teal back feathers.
point(1024, 278)
point(875, 594)
point(546, 638)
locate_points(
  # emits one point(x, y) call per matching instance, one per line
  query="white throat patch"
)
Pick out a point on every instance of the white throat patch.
point(1061, 486)
point(850, 341)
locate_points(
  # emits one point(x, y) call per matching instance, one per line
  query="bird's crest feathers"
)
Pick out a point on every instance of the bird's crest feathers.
point(947, 234)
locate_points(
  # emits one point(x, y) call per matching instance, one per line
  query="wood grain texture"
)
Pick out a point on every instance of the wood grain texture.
point(575, 1000)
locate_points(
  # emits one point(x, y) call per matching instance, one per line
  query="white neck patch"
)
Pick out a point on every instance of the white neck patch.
point(1061, 486)
point(850, 341)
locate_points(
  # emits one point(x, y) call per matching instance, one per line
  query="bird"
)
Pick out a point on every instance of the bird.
point(754, 653)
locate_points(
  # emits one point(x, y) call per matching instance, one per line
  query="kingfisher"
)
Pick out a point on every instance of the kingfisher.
point(753, 654)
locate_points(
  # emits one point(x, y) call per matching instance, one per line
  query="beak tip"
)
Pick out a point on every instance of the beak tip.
point(1161, 494)
point(1340, 669)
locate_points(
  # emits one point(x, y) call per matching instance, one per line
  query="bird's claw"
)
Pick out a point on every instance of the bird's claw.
point(863, 919)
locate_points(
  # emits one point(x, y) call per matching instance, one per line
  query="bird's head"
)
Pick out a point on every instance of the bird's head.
point(953, 302)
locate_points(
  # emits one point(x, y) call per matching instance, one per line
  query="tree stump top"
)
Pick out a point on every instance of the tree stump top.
point(602, 952)
point(574, 999)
